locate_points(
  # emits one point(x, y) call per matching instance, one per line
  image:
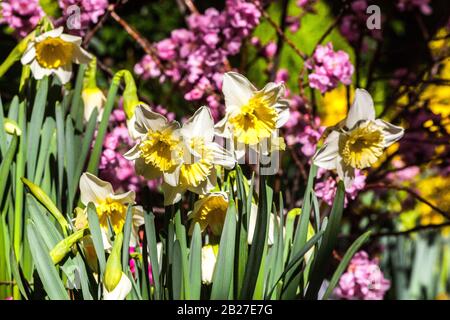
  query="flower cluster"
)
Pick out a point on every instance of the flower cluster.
point(326, 188)
point(113, 166)
point(363, 280)
point(21, 15)
point(329, 68)
point(90, 12)
point(196, 57)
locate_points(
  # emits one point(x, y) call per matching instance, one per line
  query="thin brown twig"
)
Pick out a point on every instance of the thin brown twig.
point(411, 192)
point(191, 6)
point(97, 27)
point(412, 230)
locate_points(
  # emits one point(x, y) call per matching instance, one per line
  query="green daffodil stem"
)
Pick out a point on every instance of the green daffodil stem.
point(63, 247)
point(15, 54)
point(42, 197)
point(113, 270)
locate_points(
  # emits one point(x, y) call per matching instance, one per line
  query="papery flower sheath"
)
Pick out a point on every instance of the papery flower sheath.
point(53, 52)
point(110, 206)
point(358, 141)
point(252, 115)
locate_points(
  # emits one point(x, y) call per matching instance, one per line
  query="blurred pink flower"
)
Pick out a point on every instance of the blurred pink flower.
point(363, 280)
point(90, 12)
point(21, 15)
point(329, 67)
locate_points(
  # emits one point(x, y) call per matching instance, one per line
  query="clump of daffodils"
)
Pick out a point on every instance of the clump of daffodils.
point(53, 52)
point(358, 141)
point(184, 156)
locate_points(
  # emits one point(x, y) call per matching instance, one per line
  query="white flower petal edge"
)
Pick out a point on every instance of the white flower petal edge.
point(361, 109)
point(120, 292)
point(237, 90)
point(93, 189)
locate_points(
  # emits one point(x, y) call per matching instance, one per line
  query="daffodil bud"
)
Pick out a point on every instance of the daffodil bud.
point(113, 271)
point(63, 247)
point(42, 197)
point(11, 127)
point(93, 97)
point(130, 97)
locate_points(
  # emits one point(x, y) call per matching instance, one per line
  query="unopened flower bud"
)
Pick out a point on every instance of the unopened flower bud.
point(113, 271)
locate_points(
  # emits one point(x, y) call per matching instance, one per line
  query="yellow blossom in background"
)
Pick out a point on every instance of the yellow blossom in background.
point(435, 190)
point(334, 107)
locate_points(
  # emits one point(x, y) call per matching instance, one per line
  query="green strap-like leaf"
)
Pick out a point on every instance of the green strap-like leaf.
point(344, 263)
point(44, 265)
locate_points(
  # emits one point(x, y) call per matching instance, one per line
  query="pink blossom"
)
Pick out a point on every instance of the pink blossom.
point(329, 68)
point(90, 12)
point(270, 49)
point(363, 280)
point(194, 57)
point(21, 15)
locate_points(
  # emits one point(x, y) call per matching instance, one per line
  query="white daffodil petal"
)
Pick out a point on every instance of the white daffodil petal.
point(361, 109)
point(222, 128)
point(346, 173)
point(172, 177)
point(121, 291)
point(50, 34)
point(39, 72)
point(124, 198)
point(273, 92)
point(221, 156)
point(391, 133)
point(325, 157)
point(80, 55)
point(282, 107)
point(133, 154)
point(171, 194)
point(252, 226)
point(107, 243)
point(201, 124)
point(29, 55)
point(149, 172)
point(72, 39)
point(93, 189)
point(64, 73)
point(237, 90)
point(148, 120)
point(208, 263)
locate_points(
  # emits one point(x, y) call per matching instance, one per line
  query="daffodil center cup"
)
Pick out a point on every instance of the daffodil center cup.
point(362, 146)
point(159, 149)
point(197, 165)
point(52, 53)
point(255, 121)
point(115, 211)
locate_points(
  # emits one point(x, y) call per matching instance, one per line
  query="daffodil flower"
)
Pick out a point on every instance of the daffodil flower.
point(93, 98)
point(53, 52)
point(210, 211)
point(158, 151)
point(358, 141)
point(251, 115)
point(110, 206)
point(199, 155)
point(120, 291)
point(209, 258)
